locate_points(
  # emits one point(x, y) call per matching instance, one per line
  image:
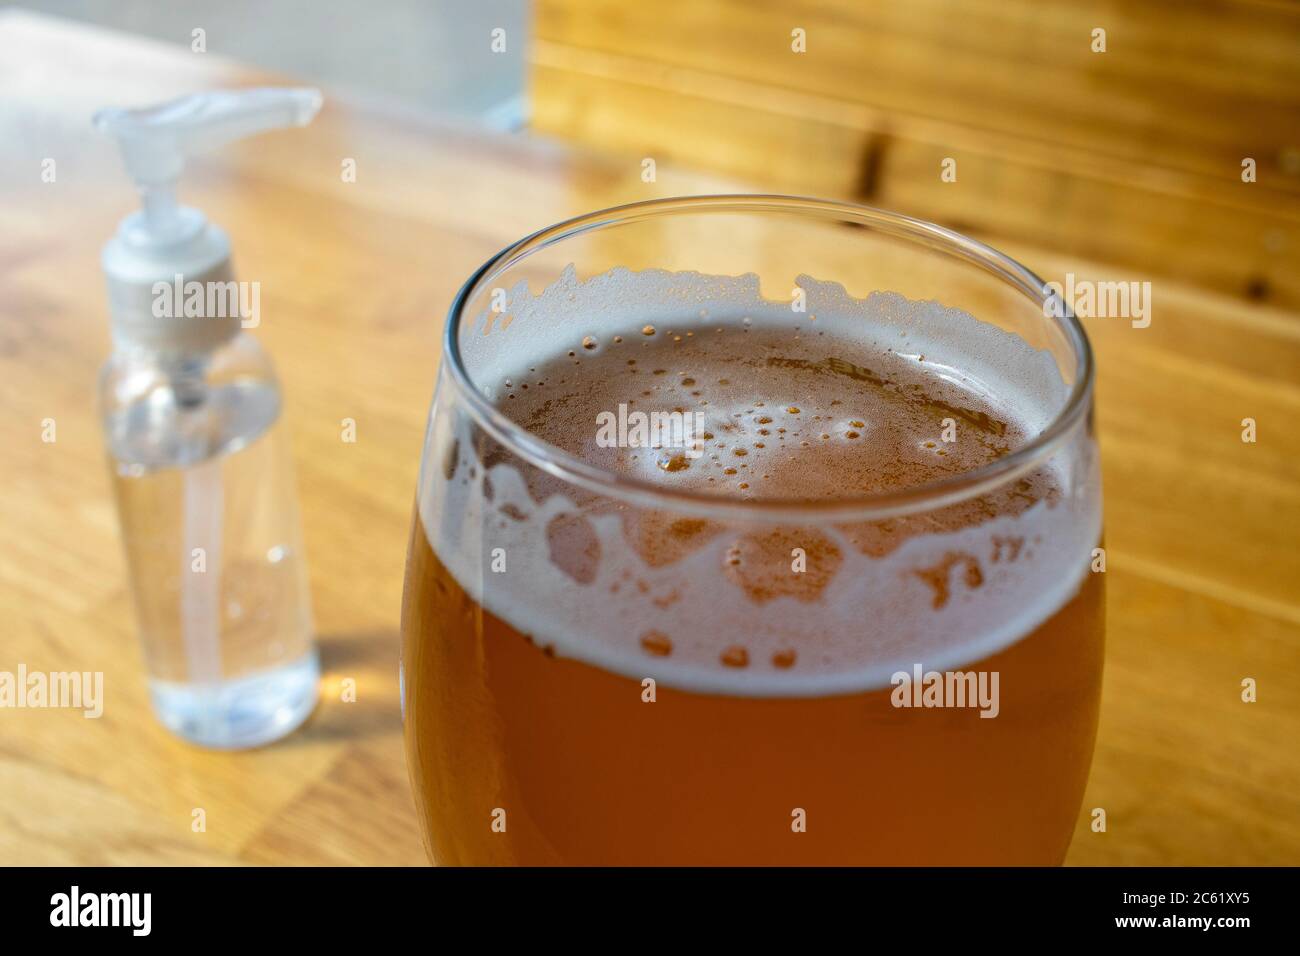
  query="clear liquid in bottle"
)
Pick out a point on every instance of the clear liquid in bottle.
point(209, 518)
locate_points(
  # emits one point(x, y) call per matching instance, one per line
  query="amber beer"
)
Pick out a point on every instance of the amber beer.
point(566, 709)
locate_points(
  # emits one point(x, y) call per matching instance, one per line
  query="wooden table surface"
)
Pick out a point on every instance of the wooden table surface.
point(1204, 571)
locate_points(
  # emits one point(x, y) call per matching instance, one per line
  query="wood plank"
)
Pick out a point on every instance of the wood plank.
point(1182, 764)
point(1243, 238)
point(1183, 85)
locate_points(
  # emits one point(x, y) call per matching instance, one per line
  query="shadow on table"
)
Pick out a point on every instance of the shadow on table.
point(359, 696)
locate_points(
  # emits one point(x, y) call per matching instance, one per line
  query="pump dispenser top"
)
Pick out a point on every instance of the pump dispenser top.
point(191, 408)
point(164, 239)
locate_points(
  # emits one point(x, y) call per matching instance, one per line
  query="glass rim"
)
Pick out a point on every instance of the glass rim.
point(868, 507)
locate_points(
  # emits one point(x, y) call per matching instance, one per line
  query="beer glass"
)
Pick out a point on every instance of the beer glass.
point(754, 530)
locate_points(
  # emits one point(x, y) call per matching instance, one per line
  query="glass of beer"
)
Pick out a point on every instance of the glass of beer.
point(754, 530)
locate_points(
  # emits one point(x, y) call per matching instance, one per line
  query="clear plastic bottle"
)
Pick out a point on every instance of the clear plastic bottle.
point(209, 518)
point(191, 412)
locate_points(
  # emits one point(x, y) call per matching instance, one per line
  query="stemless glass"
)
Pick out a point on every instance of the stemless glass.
point(602, 666)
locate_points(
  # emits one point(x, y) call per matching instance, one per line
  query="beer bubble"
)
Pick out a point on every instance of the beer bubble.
point(783, 659)
point(735, 656)
point(656, 643)
point(793, 410)
point(677, 462)
point(589, 343)
point(647, 330)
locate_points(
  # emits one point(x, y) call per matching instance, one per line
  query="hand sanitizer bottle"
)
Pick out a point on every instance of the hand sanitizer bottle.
point(191, 412)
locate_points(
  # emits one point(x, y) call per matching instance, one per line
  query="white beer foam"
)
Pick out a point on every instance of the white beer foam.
point(876, 615)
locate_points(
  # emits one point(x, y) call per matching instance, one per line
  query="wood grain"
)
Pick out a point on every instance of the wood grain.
point(1201, 528)
point(1111, 155)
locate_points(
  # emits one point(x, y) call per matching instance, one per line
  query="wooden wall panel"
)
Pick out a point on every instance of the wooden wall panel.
point(1131, 156)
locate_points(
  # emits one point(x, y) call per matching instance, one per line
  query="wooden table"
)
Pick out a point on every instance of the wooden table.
point(1204, 583)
